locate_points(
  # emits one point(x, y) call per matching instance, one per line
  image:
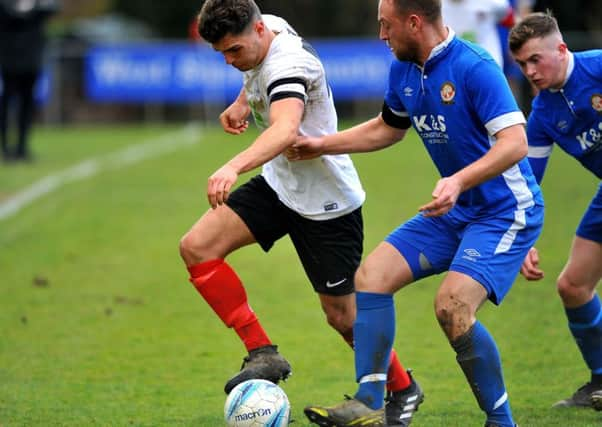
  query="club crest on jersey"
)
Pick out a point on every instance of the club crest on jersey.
point(448, 92)
point(597, 102)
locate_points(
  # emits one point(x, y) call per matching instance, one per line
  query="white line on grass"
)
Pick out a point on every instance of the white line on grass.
point(155, 147)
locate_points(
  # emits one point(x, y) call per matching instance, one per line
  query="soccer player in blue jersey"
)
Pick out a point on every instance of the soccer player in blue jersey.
point(568, 111)
point(485, 214)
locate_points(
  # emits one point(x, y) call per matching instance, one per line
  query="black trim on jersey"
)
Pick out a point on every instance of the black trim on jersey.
point(286, 81)
point(394, 120)
point(283, 95)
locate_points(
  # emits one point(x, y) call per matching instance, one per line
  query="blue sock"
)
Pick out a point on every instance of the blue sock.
point(373, 333)
point(479, 358)
point(585, 323)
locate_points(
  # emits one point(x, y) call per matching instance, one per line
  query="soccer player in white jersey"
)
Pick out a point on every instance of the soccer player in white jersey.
point(317, 202)
point(568, 111)
point(485, 214)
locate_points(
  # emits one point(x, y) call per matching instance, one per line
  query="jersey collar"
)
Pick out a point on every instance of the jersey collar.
point(437, 50)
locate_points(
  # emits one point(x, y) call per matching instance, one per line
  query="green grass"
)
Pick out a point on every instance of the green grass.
point(99, 325)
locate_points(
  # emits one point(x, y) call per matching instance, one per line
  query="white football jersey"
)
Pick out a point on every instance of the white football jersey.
point(322, 188)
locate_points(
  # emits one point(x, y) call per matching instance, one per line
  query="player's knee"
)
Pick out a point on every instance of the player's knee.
point(185, 247)
point(339, 319)
point(570, 291)
point(444, 315)
point(452, 314)
point(362, 279)
point(191, 249)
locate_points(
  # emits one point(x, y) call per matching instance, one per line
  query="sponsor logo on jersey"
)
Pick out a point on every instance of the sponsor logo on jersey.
point(430, 122)
point(432, 129)
point(597, 102)
point(591, 140)
point(408, 91)
point(448, 92)
point(562, 125)
point(331, 206)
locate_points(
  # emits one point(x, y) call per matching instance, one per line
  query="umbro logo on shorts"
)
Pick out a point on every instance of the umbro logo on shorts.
point(471, 254)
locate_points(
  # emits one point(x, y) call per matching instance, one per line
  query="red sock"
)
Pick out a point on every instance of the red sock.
point(397, 377)
point(222, 289)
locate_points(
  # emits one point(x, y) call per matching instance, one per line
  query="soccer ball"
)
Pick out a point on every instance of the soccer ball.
point(256, 403)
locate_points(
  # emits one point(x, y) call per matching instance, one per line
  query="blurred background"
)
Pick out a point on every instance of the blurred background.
point(135, 60)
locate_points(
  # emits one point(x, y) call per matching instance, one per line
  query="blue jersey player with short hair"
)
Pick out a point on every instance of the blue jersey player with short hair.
point(568, 111)
point(485, 214)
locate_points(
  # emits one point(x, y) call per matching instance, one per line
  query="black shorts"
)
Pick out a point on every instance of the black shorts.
point(330, 250)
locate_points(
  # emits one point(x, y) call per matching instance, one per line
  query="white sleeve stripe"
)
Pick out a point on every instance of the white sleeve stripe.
point(495, 125)
point(290, 87)
point(540, 152)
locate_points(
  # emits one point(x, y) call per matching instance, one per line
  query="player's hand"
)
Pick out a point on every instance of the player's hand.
point(220, 184)
point(530, 268)
point(445, 195)
point(305, 148)
point(234, 118)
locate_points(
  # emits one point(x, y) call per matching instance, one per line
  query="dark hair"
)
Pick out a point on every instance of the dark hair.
point(429, 9)
point(534, 25)
point(218, 18)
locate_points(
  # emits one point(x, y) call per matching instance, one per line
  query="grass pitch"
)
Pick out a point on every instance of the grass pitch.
point(100, 327)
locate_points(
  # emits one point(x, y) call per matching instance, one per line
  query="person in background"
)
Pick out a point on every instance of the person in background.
point(568, 111)
point(523, 92)
point(316, 203)
point(22, 43)
point(483, 216)
point(477, 20)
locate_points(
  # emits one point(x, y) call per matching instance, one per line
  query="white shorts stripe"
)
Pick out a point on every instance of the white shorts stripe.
point(520, 221)
point(540, 152)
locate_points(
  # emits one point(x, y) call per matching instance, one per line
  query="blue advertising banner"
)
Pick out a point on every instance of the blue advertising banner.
point(180, 73)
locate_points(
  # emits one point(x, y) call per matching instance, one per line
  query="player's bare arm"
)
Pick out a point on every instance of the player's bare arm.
point(234, 118)
point(285, 118)
point(510, 148)
point(371, 135)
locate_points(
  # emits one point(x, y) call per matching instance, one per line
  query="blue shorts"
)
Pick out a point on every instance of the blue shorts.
point(488, 248)
point(590, 227)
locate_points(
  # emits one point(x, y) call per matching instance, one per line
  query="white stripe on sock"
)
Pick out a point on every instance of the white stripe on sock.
point(500, 401)
point(371, 378)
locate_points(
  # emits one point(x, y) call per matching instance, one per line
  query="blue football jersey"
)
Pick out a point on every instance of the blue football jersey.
point(571, 117)
point(456, 103)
